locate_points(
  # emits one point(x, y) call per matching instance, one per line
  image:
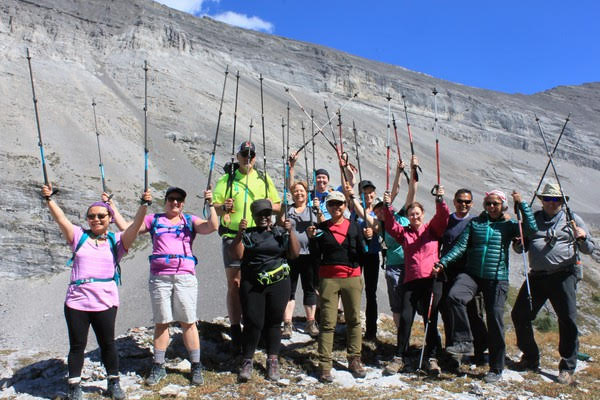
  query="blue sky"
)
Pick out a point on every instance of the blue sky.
point(511, 46)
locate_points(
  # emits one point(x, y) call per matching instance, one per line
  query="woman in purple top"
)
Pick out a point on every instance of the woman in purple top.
point(92, 296)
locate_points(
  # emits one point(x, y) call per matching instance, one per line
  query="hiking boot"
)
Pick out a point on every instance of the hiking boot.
point(325, 376)
point(273, 369)
point(433, 368)
point(286, 332)
point(492, 377)
point(525, 364)
point(565, 377)
point(113, 389)
point(246, 370)
point(461, 348)
point(74, 392)
point(341, 318)
point(157, 372)
point(394, 366)
point(197, 378)
point(311, 328)
point(356, 368)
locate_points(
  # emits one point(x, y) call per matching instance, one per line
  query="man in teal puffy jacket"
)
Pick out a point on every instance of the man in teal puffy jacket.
point(486, 241)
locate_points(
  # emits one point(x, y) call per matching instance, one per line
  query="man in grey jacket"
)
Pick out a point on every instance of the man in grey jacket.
point(552, 276)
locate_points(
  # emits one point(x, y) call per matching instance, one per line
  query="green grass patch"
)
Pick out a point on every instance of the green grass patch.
point(545, 322)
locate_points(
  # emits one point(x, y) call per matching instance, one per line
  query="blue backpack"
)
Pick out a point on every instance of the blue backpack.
point(113, 247)
point(177, 230)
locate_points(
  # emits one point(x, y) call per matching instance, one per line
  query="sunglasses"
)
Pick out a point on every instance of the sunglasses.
point(461, 201)
point(175, 199)
point(492, 203)
point(335, 203)
point(552, 199)
point(94, 216)
point(266, 213)
point(245, 154)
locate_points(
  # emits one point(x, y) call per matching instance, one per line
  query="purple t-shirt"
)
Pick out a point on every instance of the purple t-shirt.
point(171, 239)
point(93, 261)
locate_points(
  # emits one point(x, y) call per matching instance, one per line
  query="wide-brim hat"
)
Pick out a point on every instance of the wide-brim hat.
point(551, 190)
point(335, 196)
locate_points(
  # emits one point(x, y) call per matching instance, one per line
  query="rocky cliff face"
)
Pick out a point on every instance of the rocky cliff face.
point(95, 49)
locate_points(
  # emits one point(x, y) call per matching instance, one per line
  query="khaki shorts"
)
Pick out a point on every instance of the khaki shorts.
point(173, 298)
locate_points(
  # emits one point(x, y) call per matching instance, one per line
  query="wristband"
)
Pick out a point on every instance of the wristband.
point(145, 202)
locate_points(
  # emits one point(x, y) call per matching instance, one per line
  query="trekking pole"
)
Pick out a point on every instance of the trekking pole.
point(284, 162)
point(398, 147)
point(362, 193)
point(339, 113)
point(247, 173)
point(569, 214)
point(426, 328)
point(437, 142)
point(39, 131)
point(548, 163)
point(314, 170)
point(308, 199)
point(343, 157)
point(206, 210)
point(232, 166)
point(525, 267)
point(262, 117)
point(410, 138)
point(145, 125)
point(387, 147)
point(330, 124)
point(319, 128)
point(101, 165)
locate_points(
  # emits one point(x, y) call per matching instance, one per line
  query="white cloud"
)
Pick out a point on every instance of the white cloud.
point(243, 21)
point(189, 6)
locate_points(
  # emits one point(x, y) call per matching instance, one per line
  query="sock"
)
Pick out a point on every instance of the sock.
point(159, 356)
point(194, 356)
point(74, 381)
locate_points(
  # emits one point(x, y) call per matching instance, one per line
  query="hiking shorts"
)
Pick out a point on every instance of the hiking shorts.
point(173, 298)
point(228, 260)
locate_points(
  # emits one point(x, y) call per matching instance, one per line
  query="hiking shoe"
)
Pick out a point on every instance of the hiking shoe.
point(461, 348)
point(325, 376)
point(157, 372)
point(394, 366)
point(197, 378)
point(433, 368)
point(525, 364)
point(341, 318)
point(113, 389)
point(356, 368)
point(492, 377)
point(74, 392)
point(311, 328)
point(246, 370)
point(286, 332)
point(273, 369)
point(565, 377)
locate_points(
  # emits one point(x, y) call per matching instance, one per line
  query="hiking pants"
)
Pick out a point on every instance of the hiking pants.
point(370, 270)
point(559, 288)
point(78, 325)
point(304, 268)
point(413, 294)
point(494, 296)
point(262, 309)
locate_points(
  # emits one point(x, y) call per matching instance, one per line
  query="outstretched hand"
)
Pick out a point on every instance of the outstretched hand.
point(516, 197)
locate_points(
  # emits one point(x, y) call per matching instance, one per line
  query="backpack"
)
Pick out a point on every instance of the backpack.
point(177, 229)
point(112, 239)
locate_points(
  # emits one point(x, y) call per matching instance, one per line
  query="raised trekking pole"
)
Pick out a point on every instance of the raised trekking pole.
point(410, 138)
point(284, 164)
point(437, 142)
point(330, 124)
point(264, 142)
point(362, 193)
point(206, 210)
point(101, 165)
point(146, 131)
point(525, 267)
point(314, 169)
point(398, 147)
point(37, 124)
point(308, 199)
point(426, 328)
point(387, 148)
point(548, 163)
point(245, 238)
point(232, 162)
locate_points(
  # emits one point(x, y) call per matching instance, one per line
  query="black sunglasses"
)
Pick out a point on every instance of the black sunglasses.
point(245, 154)
point(335, 203)
point(552, 199)
point(177, 199)
point(492, 203)
point(462, 201)
point(94, 216)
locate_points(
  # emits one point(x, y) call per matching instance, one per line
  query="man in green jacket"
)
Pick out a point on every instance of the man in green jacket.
point(486, 241)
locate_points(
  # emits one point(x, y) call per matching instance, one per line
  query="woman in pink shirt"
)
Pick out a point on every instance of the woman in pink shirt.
point(420, 243)
point(92, 297)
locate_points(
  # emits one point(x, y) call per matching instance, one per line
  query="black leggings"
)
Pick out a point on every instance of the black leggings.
point(304, 267)
point(262, 308)
point(78, 325)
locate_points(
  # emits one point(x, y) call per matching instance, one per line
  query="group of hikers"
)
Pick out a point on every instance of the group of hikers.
point(334, 241)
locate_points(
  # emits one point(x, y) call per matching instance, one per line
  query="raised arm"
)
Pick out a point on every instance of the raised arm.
point(411, 196)
point(132, 230)
point(397, 181)
point(66, 227)
point(206, 226)
point(119, 220)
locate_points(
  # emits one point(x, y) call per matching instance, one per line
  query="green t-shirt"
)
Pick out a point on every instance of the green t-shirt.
point(256, 190)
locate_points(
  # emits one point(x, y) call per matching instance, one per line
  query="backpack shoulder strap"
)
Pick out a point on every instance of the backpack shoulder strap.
point(154, 225)
point(112, 239)
point(82, 240)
